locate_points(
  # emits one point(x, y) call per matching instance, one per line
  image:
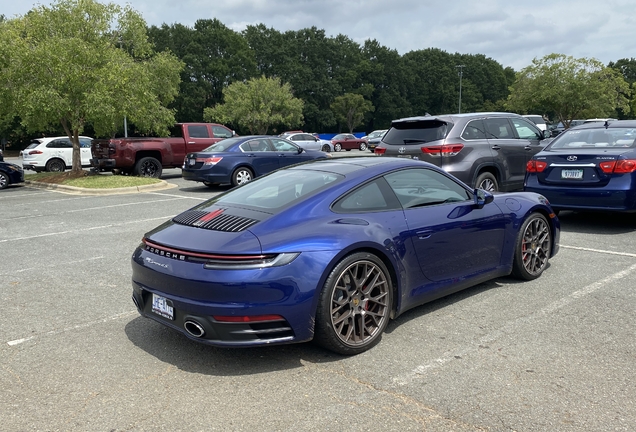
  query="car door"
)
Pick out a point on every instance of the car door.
point(288, 153)
point(529, 135)
point(85, 151)
point(260, 155)
point(510, 154)
point(61, 149)
point(453, 239)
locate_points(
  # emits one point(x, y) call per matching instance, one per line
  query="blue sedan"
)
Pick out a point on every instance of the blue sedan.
point(589, 167)
point(240, 159)
point(332, 250)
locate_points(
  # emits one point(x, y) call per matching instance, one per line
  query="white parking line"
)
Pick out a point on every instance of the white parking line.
point(23, 195)
point(57, 264)
point(87, 229)
point(509, 328)
point(600, 251)
point(179, 196)
point(77, 327)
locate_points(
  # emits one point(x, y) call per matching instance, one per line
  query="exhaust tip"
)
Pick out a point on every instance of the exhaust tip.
point(194, 328)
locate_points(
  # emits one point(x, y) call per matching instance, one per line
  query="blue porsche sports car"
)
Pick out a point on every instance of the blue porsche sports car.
point(332, 250)
point(589, 167)
point(240, 159)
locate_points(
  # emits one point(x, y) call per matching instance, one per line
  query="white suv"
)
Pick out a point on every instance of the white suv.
point(54, 154)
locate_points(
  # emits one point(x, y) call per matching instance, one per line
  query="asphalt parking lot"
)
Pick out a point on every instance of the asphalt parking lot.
point(554, 354)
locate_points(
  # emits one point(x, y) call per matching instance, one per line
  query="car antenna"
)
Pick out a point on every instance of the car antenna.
point(606, 124)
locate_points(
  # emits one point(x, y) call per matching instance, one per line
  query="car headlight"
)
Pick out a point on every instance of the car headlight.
point(15, 168)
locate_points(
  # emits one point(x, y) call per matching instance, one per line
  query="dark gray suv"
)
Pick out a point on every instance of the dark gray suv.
point(484, 150)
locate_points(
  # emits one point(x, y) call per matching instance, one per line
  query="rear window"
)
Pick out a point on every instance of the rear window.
point(223, 145)
point(416, 132)
point(279, 189)
point(595, 138)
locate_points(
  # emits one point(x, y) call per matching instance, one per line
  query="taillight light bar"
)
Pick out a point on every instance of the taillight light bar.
point(535, 166)
point(443, 150)
point(621, 166)
point(34, 152)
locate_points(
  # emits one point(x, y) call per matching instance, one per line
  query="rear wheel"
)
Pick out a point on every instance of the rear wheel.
point(4, 180)
point(56, 165)
point(241, 176)
point(363, 146)
point(210, 185)
point(487, 182)
point(354, 305)
point(532, 249)
point(148, 167)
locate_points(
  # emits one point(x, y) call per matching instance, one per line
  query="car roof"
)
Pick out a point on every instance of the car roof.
point(350, 165)
point(609, 124)
point(451, 117)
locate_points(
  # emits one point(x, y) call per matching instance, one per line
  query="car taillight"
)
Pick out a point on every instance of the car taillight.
point(621, 166)
point(380, 150)
point(32, 152)
point(535, 166)
point(210, 161)
point(445, 149)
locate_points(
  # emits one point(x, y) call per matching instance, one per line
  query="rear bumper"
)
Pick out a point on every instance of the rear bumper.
point(206, 176)
point(103, 163)
point(605, 199)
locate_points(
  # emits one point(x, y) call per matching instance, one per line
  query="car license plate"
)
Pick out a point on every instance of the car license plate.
point(192, 162)
point(404, 156)
point(573, 174)
point(161, 307)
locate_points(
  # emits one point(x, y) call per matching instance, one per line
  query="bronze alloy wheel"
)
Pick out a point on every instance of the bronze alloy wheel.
point(355, 305)
point(533, 248)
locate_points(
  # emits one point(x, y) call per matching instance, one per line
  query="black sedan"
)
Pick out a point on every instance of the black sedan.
point(240, 159)
point(10, 174)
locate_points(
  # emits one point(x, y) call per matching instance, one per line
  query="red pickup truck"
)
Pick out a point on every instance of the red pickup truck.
point(146, 157)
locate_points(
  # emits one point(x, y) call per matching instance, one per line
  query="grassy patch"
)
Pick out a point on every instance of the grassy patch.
point(92, 181)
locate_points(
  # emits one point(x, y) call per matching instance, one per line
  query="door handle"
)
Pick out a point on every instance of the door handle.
point(496, 147)
point(423, 235)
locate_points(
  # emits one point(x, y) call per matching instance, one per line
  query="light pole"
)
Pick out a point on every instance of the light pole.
point(461, 72)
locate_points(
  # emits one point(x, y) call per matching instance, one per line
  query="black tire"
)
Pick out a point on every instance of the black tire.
point(363, 146)
point(55, 165)
point(4, 180)
point(148, 167)
point(487, 182)
point(532, 248)
point(354, 305)
point(337, 147)
point(326, 148)
point(241, 176)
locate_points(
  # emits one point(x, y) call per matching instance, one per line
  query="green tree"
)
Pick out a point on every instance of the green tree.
point(214, 57)
point(570, 88)
point(351, 108)
point(627, 68)
point(79, 62)
point(257, 105)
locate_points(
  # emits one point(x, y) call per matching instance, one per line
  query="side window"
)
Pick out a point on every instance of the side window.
point(198, 131)
point(419, 187)
point(296, 137)
point(498, 128)
point(307, 137)
point(366, 198)
point(285, 146)
point(221, 132)
point(60, 144)
point(474, 130)
point(260, 145)
point(85, 143)
point(525, 129)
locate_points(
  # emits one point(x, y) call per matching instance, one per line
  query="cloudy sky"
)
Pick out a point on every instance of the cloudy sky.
point(509, 31)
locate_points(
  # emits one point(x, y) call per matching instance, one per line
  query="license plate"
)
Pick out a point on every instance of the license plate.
point(161, 307)
point(405, 156)
point(574, 174)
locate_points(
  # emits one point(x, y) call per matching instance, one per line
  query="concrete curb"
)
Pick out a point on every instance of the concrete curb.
point(73, 190)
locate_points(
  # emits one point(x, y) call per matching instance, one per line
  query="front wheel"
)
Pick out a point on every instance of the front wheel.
point(532, 249)
point(354, 305)
point(4, 180)
point(241, 176)
point(337, 147)
point(326, 148)
point(487, 182)
point(148, 167)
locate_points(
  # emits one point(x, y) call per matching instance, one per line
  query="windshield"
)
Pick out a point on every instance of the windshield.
point(279, 189)
point(597, 137)
point(417, 132)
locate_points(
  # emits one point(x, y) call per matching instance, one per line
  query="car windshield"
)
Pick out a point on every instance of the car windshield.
point(279, 189)
point(416, 132)
point(223, 145)
point(597, 137)
point(341, 136)
point(375, 134)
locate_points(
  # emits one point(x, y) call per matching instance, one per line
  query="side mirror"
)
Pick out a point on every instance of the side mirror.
point(482, 197)
point(300, 150)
